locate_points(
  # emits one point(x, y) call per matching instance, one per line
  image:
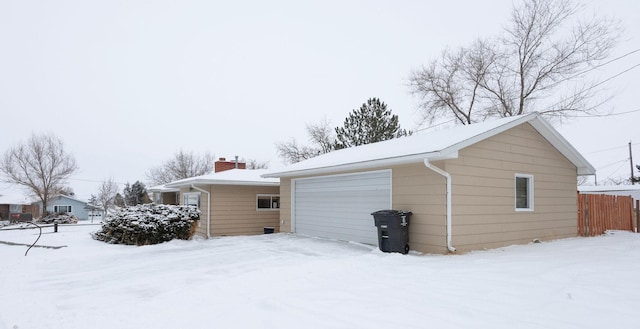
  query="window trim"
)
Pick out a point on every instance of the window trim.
point(258, 196)
point(184, 195)
point(57, 207)
point(530, 192)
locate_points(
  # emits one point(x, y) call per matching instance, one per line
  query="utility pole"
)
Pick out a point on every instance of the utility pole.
point(633, 180)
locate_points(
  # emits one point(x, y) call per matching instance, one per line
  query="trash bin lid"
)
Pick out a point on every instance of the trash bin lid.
point(387, 212)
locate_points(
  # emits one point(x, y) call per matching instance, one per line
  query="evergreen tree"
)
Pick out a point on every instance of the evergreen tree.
point(373, 122)
point(135, 194)
point(636, 179)
point(93, 200)
point(118, 200)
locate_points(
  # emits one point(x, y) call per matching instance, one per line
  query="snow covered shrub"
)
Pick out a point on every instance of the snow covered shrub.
point(59, 218)
point(149, 224)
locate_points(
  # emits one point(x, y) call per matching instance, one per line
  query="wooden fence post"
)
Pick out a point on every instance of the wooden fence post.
point(586, 216)
point(637, 213)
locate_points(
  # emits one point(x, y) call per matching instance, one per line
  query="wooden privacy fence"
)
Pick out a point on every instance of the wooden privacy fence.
point(600, 212)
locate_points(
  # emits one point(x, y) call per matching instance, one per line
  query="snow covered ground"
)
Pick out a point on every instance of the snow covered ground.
point(290, 281)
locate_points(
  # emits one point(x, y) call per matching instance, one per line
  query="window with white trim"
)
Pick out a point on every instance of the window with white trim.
point(268, 202)
point(191, 199)
point(61, 209)
point(524, 192)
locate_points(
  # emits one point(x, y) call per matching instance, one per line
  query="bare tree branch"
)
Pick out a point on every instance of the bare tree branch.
point(181, 165)
point(40, 164)
point(321, 135)
point(106, 195)
point(545, 49)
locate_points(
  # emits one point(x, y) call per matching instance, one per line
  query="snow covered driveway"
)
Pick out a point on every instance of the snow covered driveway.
point(289, 281)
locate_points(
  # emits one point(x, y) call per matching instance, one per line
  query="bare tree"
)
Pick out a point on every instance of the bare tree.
point(181, 165)
point(40, 164)
point(321, 135)
point(255, 164)
point(105, 198)
point(540, 63)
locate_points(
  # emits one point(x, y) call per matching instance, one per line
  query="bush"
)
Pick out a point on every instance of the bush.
point(60, 218)
point(149, 224)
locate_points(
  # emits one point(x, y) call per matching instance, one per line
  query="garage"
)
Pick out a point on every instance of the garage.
point(340, 206)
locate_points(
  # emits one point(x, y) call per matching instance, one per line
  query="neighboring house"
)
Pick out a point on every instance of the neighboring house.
point(168, 195)
point(484, 185)
point(165, 195)
point(232, 202)
point(630, 190)
point(66, 204)
point(11, 203)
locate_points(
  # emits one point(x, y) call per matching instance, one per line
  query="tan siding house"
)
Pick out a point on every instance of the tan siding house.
point(511, 181)
point(232, 202)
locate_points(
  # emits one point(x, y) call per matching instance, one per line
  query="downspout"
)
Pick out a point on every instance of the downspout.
point(208, 209)
point(448, 178)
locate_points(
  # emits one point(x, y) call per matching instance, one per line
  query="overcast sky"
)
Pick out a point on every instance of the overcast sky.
point(126, 84)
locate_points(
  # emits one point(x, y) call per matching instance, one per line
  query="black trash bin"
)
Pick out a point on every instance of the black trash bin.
point(393, 230)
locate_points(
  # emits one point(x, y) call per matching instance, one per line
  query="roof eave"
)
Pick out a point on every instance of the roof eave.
point(584, 168)
point(407, 159)
point(222, 182)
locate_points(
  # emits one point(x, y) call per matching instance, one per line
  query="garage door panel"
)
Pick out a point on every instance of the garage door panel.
point(340, 207)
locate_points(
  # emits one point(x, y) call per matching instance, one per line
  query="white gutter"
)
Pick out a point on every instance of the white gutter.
point(208, 209)
point(365, 164)
point(448, 177)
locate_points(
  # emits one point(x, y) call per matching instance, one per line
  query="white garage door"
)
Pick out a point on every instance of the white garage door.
point(340, 206)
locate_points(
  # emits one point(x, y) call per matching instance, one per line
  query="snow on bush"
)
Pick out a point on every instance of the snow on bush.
point(61, 218)
point(149, 224)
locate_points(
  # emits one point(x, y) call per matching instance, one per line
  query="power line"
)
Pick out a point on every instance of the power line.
point(596, 85)
point(613, 163)
point(612, 148)
point(604, 115)
point(615, 171)
point(595, 67)
point(606, 63)
point(439, 124)
point(91, 180)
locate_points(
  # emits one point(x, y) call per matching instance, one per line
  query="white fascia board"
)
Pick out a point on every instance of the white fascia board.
point(489, 133)
point(407, 159)
point(222, 182)
point(564, 147)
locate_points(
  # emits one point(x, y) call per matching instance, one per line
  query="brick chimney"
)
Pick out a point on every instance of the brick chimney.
point(222, 164)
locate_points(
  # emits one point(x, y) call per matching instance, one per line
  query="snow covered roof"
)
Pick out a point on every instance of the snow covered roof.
point(434, 145)
point(609, 188)
point(70, 198)
point(163, 189)
point(6, 198)
point(229, 177)
point(12, 194)
point(632, 190)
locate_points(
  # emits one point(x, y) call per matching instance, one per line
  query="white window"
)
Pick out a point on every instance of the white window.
point(191, 199)
point(61, 209)
point(524, 192)
point(267, 202)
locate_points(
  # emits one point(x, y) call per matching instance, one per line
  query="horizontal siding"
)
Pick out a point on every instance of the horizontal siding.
point(285, 204)
point(423, 192)
point(233, 210)
point(484, 212)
